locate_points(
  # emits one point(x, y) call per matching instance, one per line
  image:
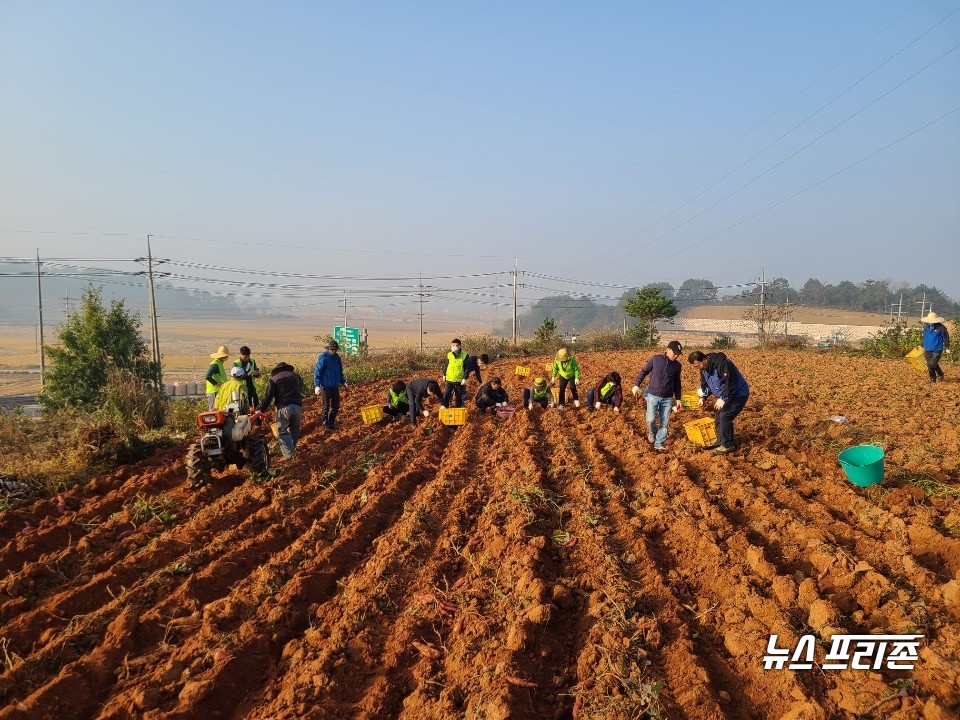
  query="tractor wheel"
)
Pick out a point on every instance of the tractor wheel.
point(198, 467)
point(259, 463)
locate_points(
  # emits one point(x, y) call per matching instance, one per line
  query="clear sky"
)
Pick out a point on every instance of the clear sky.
point(620, 142)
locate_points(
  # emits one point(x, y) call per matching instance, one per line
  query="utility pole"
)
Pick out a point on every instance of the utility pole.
point(43, 365)
point(153, 316)
point(516, 328)
point(899, 313)
point(344, 310)
point(761, 316)
point(420, 293)
point(923, 306)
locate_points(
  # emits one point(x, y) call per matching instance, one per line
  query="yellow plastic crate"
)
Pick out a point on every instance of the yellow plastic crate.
point(701, 432)
point(556, 395)
point(522, 371)
point(915, 358)
point(453, 416)
point(690, 399)
point(371, 414)
point(549, 368)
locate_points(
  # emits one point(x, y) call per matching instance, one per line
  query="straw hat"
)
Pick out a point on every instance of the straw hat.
point(933, 318)
point(222, 353)
point(562, 354)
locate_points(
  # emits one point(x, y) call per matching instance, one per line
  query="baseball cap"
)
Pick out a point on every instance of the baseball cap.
point(675, 346)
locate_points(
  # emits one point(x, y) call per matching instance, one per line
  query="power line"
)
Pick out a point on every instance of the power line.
point(781, 137)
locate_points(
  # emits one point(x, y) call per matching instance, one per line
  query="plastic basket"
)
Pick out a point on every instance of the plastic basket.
point(505, 412)
point(556, 395)
point(522, 371)
point(701, 432)
point(548, 367)
point(690, 399)
point(453, 416)
point(915, 358)
point(371, 414)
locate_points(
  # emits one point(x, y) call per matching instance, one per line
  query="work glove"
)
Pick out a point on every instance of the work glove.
point(316, 391)
point(701, 393)
point(718, 405)
point(345, 386)
point(635, 390)
point(443, 407)
point(596, 406)
point(426, 413)
point(576, 381)
point(677, 407)
point(530, 406)
point(463, 382)
point(616, 409)
point(947, 351)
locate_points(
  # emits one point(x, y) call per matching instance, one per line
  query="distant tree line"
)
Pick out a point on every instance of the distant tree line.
point(573, 313)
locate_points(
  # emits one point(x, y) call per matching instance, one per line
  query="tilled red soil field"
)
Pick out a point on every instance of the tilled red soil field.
point(546, 566)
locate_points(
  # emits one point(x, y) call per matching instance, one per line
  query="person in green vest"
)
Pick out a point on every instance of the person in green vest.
point(606, 392)
point(398, 405)
point(538, 393)
point(251, 370)
point(234, 390)
point(566, 369)
point(216, 375)
point(455, 375)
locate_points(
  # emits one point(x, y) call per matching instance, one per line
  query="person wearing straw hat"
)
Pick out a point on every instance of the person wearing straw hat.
point(216, 375)
point(538, 393)
point(566, 368)
point(936, 341)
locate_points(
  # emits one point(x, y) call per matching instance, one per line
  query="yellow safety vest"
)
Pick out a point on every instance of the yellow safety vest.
point(605, 390)
point(539, 394)
point(396, 399)
point(221, 375)
point(566, 369)
point(455, 366)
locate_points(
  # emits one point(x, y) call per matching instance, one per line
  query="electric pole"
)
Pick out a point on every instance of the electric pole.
point(516, 328)
point(153, 316)
point(43, 366)
point(762, 314)
point(420, 293)
point(923, 306)
point(344, 310)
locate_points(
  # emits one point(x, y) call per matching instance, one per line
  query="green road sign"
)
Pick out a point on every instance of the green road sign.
point(348, 338)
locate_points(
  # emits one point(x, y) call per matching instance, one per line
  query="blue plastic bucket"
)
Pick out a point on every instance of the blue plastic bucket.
point(863, 464)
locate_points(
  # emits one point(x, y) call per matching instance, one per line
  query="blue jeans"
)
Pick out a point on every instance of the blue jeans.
point(658, 407)
point(289, 418)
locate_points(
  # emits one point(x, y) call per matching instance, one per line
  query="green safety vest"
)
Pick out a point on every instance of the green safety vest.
point(606, 389)
point(566, 369)
point(396, 399)
point(455, 366)
point(250, 370)
point(221, 375)
point(539, 394)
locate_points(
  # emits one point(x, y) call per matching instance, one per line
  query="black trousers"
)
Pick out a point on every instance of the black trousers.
point(331, 406)
point(724, 419)
point(564, 383)
point(453, 390)
point(933, 363)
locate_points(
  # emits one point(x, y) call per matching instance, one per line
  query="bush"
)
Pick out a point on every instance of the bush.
point(723, 342)
point(894, 341)
point(791, 342)
point(546, 335)
point(132, 403)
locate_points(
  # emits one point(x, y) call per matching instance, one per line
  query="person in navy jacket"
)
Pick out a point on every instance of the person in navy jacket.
point(719, 377)
point(328, 377)
point(936, 341)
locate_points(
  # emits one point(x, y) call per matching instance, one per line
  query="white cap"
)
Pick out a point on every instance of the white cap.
point(237, 371)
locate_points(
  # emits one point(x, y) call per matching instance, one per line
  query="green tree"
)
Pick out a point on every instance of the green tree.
point(648, 306)
point(92, 340)
point(546, 334)
point(696, 291)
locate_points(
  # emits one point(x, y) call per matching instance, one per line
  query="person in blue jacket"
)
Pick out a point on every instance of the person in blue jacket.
point(327, 379)
point(936, 341)
point(719, 377)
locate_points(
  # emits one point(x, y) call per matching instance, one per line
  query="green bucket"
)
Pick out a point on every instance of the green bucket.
point(863, 464)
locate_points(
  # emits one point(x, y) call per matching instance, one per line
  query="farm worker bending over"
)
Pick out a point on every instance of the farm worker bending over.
point(417, 391)
point(662, 392)
point(538, 393)
point(472, 365)
point(565, 367)
point(327, 379)
point(491, 394)
point(936, 341)
point(397, 403)
point(216, 375)
point(249, 366)
point(455, 375)
point(606, 392)
point(285, 388)
point(234, 390)
point(719, 377)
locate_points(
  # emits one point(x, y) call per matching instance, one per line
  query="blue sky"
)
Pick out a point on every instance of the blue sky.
point(572, 135)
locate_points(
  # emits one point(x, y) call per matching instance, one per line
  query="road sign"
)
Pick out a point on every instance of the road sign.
point(348, 338)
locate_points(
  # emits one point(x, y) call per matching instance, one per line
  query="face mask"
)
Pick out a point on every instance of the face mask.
point(455, 348)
